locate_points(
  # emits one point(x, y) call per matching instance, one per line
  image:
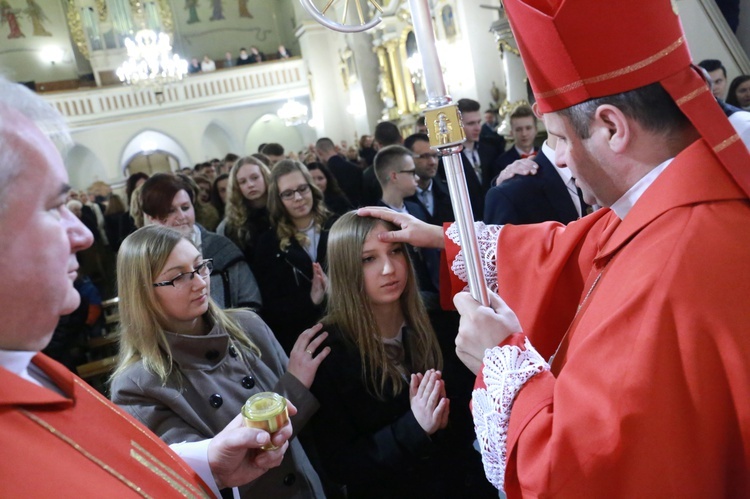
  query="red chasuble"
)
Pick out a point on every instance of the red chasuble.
point(81, 445)
point(649, 393)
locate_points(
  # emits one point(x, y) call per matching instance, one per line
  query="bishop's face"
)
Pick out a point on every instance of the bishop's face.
point(580, 155)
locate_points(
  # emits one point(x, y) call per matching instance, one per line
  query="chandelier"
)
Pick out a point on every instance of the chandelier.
point(151, 63)
point(293, 113)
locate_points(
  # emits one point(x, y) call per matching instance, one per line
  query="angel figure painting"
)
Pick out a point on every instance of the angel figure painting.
point(243, 9)
point(192, 7)
point(36, 14)
point(8, 15)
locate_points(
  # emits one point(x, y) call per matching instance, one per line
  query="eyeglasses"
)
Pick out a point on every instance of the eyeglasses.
point(289, 194)
point(427, 155)
point(413, 171)
point(203, 269)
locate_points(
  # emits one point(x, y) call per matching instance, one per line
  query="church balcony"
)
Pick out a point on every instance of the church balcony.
point(238, 86)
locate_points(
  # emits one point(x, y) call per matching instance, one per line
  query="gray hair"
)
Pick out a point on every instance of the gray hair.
point(15, 97)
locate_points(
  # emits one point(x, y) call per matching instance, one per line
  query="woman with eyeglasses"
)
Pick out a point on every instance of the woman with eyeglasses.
point(245, 213)
point(290, 258)
point(168, 200)
point(186, 367)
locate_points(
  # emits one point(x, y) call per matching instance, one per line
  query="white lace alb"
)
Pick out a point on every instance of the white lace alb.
point(506, 369)
point(487, 240)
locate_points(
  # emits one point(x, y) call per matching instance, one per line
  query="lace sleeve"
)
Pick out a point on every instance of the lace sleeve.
point(487, 239)
point(506, 369)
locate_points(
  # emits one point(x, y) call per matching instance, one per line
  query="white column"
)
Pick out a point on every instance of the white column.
point(319, 48)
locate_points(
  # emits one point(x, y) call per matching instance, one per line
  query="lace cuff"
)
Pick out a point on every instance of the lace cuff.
point(487, 240)
point(506, 369)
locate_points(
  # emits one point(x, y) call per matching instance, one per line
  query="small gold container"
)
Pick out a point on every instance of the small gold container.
point(266, 411)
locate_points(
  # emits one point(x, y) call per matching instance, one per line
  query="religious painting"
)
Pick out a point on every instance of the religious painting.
point(449, 23)
point(17, 20)
point(216, 8)
point(217, 13)
point(9, 16)
point(35, 13)
point(192, 7)
point(348, 67)
point(243, 9)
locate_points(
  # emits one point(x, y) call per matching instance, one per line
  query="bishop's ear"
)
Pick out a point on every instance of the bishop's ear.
point(611, 124)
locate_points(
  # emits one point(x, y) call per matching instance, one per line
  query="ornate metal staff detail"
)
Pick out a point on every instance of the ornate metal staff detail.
point(443, 120)
point(320, 16)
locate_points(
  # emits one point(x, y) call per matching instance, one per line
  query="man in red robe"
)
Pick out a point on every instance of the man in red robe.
point(616, 362)
point(58, 437)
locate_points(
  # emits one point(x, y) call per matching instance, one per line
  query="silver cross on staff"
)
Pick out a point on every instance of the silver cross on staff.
point(443, 120)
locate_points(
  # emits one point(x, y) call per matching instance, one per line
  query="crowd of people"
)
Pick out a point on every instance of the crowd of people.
point(246, 299)
point(246, 56)
point(610, 361)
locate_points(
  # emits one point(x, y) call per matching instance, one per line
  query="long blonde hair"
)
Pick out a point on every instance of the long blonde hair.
point(280, 219)
point(237, 210)
point(141, 258)
point(349, 308)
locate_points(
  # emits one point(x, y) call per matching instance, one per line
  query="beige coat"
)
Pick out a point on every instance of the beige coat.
point(213, 377)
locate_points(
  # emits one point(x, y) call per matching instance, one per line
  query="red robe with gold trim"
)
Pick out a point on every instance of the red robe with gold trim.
point(649, 394)
point(81, 445)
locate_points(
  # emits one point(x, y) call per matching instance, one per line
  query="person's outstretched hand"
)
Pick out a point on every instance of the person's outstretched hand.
point(235, 455)
point(319, 284)
point(413, 231)
point(525, 166)
point(303, 361)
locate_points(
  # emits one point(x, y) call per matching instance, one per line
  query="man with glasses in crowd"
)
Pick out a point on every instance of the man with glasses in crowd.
point(432, 190)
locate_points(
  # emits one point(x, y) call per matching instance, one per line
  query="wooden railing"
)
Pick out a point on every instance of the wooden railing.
point(256, 82)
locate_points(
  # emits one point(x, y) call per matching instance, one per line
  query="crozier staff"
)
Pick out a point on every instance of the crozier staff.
point(644, 303)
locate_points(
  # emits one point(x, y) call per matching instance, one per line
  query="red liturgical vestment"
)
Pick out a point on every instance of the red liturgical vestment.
point(81, 445)
point(649, 392)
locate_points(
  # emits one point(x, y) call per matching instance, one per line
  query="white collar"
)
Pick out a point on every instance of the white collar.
point(622, 206)
point(398, 339)
point(18, 363)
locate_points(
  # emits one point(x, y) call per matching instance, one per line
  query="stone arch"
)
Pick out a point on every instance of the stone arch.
point(270, 128)
point(218, 140)
point(150, 141)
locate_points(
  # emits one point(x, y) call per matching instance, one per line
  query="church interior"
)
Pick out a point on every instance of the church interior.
point(337, 85)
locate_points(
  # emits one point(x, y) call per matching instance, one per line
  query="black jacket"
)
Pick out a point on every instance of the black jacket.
point(528, 199)
point(349, 177)
point(285, 280)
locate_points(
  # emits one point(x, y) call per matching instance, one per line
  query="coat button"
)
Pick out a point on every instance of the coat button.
point(248, 382)
point(232, 351)
point(215, 400)
point(290, 479)
point(212, 355)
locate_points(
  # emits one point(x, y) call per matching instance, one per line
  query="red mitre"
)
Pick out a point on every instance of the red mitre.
point(576, 50)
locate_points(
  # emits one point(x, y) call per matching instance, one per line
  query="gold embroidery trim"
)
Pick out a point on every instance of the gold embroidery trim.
point(731, 140)
point(176, 481)
point(614, 74)
point(179, 463)
point(54, 431)
point(161, 474)
point(692, 95)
